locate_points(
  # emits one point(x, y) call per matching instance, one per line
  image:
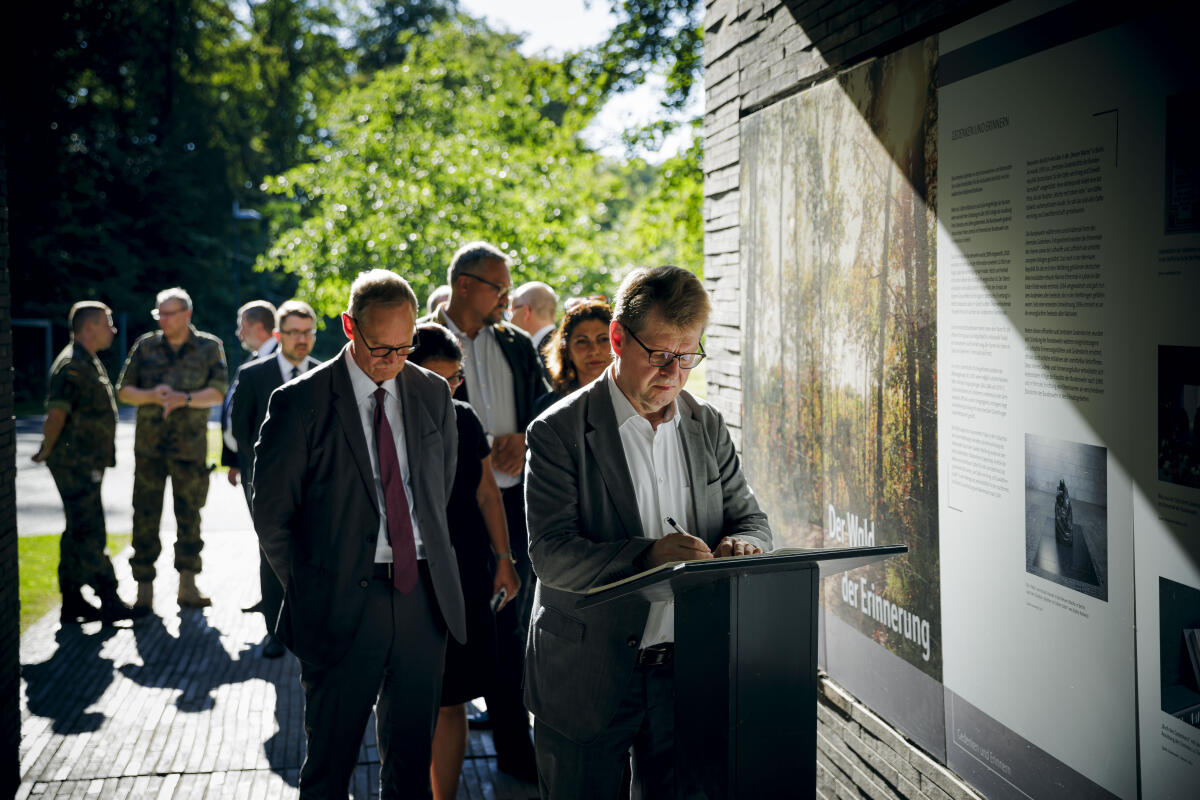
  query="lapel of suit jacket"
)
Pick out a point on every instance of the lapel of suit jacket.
point(604, 441)
point(346, 406)
point(692, 435)
point(413, 414)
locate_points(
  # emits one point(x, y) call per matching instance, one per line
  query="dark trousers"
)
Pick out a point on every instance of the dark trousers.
point(645, 721)
point(395, 665)
point(82, 559)
point(505, 702)
point(269, 586)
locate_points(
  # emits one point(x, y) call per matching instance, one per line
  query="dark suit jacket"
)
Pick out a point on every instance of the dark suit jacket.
point(252, 389)
point(315, 505)
point(228, 457)
point(528, 381)
point(584, 531)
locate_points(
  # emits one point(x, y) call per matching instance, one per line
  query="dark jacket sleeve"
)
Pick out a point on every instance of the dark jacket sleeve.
point(278, 491)
point(242, 414)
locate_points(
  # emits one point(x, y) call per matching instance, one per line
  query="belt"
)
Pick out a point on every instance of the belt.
point(657, 654)
point(383, 571)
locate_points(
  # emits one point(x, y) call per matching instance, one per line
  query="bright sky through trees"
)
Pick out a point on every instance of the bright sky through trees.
point(556, 26)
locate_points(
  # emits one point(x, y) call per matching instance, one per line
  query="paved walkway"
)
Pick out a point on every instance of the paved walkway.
point(182, 704)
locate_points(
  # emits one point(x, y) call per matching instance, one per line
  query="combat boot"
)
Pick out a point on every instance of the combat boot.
point(114, 609)
point(75, 609)
point(145, 598)
point(189, 595)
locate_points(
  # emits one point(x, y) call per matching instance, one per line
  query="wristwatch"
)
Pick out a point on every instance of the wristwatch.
point(506, 555)
point(187, 399)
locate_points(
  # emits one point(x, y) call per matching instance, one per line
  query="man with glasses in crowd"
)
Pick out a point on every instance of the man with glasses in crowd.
point(503, 379)
point(174, 376)
point(355, 464)
point(295, 336)
point(607, 466)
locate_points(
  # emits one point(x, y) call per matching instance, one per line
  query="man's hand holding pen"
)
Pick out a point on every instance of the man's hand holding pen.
point(682, 546)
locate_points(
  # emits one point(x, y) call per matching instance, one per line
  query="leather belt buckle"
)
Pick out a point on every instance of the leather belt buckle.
point(656, 655)
point(382, 571)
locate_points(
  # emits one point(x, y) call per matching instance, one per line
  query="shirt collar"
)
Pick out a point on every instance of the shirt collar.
point(542, 332)
point(268, 347)
point(625, 410)
point(444, 318)
point(362, 385)
point(285, 366)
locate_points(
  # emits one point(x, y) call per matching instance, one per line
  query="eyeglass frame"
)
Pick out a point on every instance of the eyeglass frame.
point(457, 378)
point(501, 291)
point(156, 315)
point(311, 333)
point(669, 355)
point(404, 350)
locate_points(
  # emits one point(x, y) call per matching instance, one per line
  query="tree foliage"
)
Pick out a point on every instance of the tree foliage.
point(468, 139)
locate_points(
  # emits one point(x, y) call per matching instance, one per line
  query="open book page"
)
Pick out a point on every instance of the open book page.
point(783, 551)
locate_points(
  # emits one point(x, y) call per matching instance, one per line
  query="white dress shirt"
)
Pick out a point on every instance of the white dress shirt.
point(490, 387)
point(542, 335)
point(660, 485)
point(286, 367)
point(364, 396)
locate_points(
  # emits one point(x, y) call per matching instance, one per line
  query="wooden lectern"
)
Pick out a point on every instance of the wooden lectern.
point(746, 662)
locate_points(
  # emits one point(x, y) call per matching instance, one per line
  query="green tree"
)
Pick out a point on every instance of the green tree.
point(465, 139)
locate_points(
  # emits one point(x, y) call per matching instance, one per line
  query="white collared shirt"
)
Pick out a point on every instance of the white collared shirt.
point(490, 387)
point(660, 485)
point(364, 396)
point(286, 367)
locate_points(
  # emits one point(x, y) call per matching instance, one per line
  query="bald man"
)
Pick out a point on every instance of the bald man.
point(533, 308)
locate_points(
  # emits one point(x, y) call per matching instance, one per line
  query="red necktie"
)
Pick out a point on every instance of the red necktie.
point(399, 520)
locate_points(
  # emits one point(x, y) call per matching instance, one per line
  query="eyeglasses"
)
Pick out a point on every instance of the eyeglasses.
point(456, 379)
point(500, 290)
point(300, 334)
point(384, 351)
point(663, 358)
point(157, 315)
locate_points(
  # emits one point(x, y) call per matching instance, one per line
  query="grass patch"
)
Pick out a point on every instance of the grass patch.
point(37, 562)
point(215, 444)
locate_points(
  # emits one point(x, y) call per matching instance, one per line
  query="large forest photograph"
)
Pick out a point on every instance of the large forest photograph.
point(839, 252)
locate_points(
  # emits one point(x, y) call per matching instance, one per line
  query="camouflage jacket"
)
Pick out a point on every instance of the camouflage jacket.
point(79, 385)
point(199, 363)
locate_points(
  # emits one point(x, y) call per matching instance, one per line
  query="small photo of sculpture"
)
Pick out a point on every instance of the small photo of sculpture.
point(1066, 514)
point(1179, 650)
point(1179, 415)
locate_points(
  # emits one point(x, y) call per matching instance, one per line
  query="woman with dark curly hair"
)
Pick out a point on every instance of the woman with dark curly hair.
point(578, 352)
point(475, 516)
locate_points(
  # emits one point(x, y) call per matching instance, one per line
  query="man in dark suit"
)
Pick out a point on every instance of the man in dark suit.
point(502, 381)
point(355, 463)
point(296, 333)
point(606, 466)
point(255, 330)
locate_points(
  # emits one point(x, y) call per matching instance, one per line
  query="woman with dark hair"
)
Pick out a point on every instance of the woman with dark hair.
point(475, 517)
point(578, 352)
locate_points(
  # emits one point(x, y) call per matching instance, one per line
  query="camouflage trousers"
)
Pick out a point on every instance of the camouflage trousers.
point(189, 484)
point(81, 556)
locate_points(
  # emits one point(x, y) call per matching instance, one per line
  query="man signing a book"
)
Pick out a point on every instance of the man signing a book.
point(607, 466)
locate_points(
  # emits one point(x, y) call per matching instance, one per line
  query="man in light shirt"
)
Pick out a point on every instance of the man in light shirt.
point(606, 467)
point(355, 462)
point(502, 380)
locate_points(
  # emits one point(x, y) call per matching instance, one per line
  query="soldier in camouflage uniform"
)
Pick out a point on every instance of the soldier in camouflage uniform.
point(77, 446)
point(174, 377)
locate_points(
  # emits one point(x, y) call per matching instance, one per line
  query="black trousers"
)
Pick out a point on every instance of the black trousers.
point(645, 722)
point(505, 702)
point(395, 665)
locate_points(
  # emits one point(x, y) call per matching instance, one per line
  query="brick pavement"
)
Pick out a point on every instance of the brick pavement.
point(181, 704)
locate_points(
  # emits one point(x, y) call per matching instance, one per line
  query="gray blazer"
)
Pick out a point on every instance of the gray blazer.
point(315, 507)
point(584, 531)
